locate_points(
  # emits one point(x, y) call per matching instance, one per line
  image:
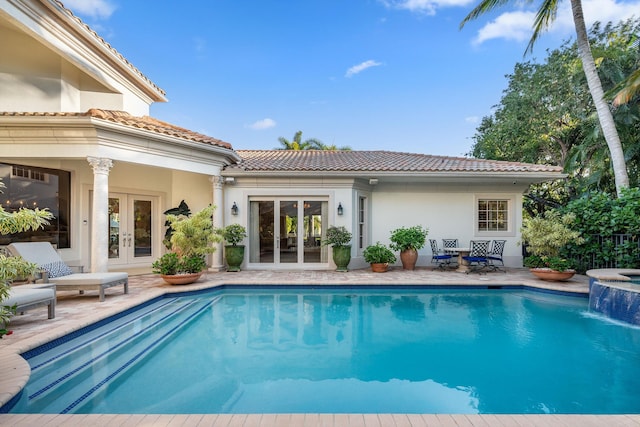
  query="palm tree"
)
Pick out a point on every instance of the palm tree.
point(297, 143)
point(332, 147)
point(627, 89)
point(544, 18)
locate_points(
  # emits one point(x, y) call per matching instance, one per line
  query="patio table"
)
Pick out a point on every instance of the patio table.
point(463, 265)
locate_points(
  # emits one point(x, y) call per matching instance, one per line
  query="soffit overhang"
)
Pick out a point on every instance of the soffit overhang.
point(72, 137)
point(54, 26)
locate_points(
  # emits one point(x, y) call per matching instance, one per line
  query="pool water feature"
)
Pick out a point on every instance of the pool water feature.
point(343, 351)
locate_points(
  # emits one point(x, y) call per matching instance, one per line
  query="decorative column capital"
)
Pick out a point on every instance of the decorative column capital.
point(100, 165)
point(216, 181)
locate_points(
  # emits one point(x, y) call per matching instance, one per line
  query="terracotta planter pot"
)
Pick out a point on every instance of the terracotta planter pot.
point(409, 257)
point(552, 275)
point(379, 267)
point(181, 279)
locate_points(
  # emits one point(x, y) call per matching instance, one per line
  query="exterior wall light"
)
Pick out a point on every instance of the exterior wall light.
point(340, 209)
point(234, 209)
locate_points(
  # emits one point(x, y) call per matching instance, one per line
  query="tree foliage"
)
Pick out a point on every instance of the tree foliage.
point(546, 114)
point(611, 228)
point(297, 143)
point(309, 144)
point(545, 16)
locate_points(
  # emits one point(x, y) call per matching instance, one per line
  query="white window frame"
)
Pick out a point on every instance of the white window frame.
point(511, 215)
point(362, 222)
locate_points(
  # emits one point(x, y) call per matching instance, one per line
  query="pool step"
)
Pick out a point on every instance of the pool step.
point(89, 355)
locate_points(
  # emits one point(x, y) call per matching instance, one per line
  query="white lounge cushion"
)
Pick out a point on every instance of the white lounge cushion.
point(90, 279)
point(22, 295)
point(40, 253)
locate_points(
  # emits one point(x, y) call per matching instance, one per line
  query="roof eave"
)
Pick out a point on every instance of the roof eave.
point(390, 176)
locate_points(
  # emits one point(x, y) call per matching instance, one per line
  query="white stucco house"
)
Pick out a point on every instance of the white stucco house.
point(76, 137)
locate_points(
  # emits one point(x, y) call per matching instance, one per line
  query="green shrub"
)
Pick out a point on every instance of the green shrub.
point(599, 218)
point(408, 238)
point(378, 254)
point(233, 233)
point(337, 236)
point(171, 264)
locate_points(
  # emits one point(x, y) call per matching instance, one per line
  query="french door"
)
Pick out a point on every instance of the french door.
point(132, 229)
point(288, 231)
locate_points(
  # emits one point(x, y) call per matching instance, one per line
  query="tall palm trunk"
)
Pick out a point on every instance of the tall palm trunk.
point(595, 87)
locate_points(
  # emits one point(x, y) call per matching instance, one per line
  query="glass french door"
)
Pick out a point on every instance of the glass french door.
point(287, 231)
point(132, 226)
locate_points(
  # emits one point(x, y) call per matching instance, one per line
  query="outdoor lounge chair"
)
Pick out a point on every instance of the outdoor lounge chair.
point(26, 297)
point(438, 257)
point(53, 268)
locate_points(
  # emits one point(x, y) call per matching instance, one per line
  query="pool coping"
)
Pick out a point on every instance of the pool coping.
point(17, 372)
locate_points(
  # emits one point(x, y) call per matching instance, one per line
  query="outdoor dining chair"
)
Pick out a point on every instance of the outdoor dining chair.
point(477, 258)
point(448, 245)
point(495, 254)
point(438, 257)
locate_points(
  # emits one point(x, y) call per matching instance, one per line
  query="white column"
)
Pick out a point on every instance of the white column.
point(100, 214)
point(217, 262)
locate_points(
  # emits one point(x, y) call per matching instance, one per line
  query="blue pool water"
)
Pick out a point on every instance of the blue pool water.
point(339, 351)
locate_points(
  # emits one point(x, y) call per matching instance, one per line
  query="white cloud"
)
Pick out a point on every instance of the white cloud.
point(510, 25)
point(361, 67)
point(93, 8)
point(428, 7)
point(518, 25)
point(263, 124)
point(472, 119)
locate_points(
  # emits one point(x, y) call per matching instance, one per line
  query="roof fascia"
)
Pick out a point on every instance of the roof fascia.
point(386, 176)
point(149, 139)
point(55, 27)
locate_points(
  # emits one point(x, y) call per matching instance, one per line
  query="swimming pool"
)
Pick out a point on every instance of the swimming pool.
point(338, 351)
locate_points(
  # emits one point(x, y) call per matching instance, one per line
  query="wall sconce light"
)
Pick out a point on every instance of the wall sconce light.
point(234, 209)
point(340, 209)
point(373, 181)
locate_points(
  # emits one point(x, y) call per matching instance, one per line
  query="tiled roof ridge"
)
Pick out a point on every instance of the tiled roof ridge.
point(375, 161)
point(140, 122)
point(406, 153)
point(107, 45)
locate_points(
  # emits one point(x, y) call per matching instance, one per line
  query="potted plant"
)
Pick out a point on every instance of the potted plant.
point(379, 256)
point(408, 240)
point(545, 236)
point(190, 242)
point(13, 267)
point(233, 252)
point(339, 238)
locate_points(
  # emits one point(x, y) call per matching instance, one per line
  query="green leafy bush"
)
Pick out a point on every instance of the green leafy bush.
point(171, 264)
point(378, 254)
point(545, 236)
point(190, 241)
point(408, 238)
point(233, 234)
point(601, 219)
point(337, 236)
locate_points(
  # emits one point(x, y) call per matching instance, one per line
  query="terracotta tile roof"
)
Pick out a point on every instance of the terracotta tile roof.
point(374, 161)
point(74, 18)
point(139, 122)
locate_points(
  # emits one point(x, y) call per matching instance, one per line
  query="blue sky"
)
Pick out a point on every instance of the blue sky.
point(371, 74)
